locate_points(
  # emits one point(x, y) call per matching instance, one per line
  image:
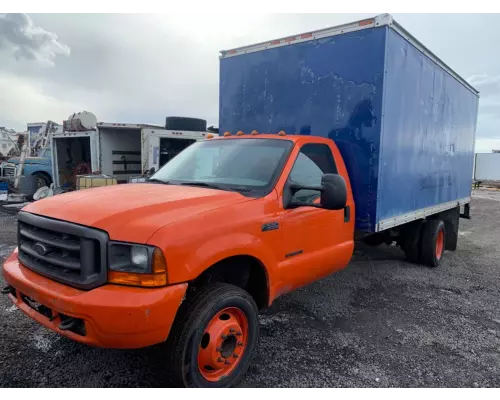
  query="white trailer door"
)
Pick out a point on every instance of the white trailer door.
point(57, 139)
point(487, 167)
point(152, 145)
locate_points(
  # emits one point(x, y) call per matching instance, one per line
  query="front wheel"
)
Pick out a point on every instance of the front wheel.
point(214, 337)
point(42, 180)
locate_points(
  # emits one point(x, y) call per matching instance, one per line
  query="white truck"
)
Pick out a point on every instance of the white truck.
point(115, 149)
point(487, 167)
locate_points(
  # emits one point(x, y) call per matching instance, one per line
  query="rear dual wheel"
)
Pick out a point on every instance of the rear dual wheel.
point(432, 242)
point(424, 242)
point(213, 339)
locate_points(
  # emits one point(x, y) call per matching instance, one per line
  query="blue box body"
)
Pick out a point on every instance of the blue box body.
point(404, 126)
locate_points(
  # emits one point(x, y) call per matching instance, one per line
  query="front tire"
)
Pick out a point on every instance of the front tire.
point(213, 338)
point(42, 180)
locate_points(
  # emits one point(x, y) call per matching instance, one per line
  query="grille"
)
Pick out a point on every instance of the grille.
point(68, 253)
point(8, 171)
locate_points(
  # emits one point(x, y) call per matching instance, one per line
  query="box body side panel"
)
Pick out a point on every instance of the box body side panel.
point(330, 87)
point(428, 133)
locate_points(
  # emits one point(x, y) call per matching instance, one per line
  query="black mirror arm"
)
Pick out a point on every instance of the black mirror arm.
point(295, 188)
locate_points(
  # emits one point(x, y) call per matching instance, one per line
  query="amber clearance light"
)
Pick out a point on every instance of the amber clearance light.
point(156, 279)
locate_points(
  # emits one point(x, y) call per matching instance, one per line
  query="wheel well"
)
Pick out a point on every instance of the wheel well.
point(246, 272)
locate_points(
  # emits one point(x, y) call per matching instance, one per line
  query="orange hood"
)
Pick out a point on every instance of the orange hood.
point(133, 212)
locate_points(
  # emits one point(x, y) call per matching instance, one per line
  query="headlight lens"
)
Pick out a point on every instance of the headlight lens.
point(139, 257)
point(130, 258)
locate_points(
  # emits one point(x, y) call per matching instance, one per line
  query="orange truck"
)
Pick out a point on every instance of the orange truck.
point(188, 258)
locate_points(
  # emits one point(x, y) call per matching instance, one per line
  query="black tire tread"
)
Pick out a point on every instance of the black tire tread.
point(192, 309)
point(43, 176)
point(185, 124)
point(428, 242)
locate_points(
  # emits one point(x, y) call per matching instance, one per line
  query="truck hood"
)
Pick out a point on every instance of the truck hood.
point(133, 212)
point(30, 160)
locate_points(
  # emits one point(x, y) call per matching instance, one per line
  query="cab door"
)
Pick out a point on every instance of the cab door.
point(316, 242)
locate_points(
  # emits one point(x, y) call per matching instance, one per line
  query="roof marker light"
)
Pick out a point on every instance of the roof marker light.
point(366, 22)
point(210, 136)
point(227, 134)
point(282, 133)
point(254, 133)
point(240, 133)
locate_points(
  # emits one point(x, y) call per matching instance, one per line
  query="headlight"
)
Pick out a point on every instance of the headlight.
point(130, 257)
point(135, 264)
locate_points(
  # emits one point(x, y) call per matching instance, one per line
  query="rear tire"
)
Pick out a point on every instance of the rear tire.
point(412, 241)
point(213, 338)
point(433, 242)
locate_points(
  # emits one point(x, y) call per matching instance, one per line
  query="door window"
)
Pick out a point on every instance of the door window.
point(313, 161)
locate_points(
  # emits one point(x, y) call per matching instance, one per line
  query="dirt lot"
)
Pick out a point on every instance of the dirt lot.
point(381, 322)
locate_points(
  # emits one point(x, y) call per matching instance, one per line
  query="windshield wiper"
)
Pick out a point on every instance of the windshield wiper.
point(202, 184)
point(214, 186)
point(154, 180)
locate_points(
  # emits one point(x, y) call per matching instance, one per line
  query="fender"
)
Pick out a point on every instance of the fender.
point(217, 249)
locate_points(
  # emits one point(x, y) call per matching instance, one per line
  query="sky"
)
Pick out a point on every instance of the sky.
point(142, 68)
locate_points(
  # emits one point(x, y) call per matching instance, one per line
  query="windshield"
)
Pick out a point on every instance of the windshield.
point(44, 153)
point(237, 164)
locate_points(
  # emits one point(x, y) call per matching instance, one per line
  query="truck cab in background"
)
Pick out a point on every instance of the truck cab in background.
point(39, 166)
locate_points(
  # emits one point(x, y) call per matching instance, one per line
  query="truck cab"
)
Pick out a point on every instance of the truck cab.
point(217, 233)
point(39, 166)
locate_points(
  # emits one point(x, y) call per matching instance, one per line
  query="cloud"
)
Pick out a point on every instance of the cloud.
point(486, 84)
point(25, 101)
point(24, 40)
point(143, 67)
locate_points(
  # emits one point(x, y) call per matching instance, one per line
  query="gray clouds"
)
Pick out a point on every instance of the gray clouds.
point(19, 35)
point(141, 68)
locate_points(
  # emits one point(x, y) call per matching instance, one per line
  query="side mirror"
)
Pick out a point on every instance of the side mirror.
point(334, 193)
point(151, 171)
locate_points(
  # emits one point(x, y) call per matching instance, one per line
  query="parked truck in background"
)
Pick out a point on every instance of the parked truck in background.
point(118, 149)
point(369, 134)
point(487, 167)
point(39, 166)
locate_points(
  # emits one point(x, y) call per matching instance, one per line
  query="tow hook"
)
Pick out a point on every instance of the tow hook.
point(69, 324)
point(8, 290)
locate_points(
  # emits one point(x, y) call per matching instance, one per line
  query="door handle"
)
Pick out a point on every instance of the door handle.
point(347, 213)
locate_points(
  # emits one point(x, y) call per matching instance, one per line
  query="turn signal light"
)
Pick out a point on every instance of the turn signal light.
point(131, 279)
point(159, 263)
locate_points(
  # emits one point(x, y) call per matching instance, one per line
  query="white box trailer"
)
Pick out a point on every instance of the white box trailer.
point(487, 167)
point(119, 150)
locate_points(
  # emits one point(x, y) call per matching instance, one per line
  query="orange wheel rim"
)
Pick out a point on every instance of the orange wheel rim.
point(223, 344)
point(439, 244)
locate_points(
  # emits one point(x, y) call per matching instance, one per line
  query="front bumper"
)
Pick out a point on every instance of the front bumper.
point(114, 316)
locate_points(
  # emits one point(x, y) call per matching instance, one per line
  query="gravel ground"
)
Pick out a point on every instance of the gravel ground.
point(381, 322)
